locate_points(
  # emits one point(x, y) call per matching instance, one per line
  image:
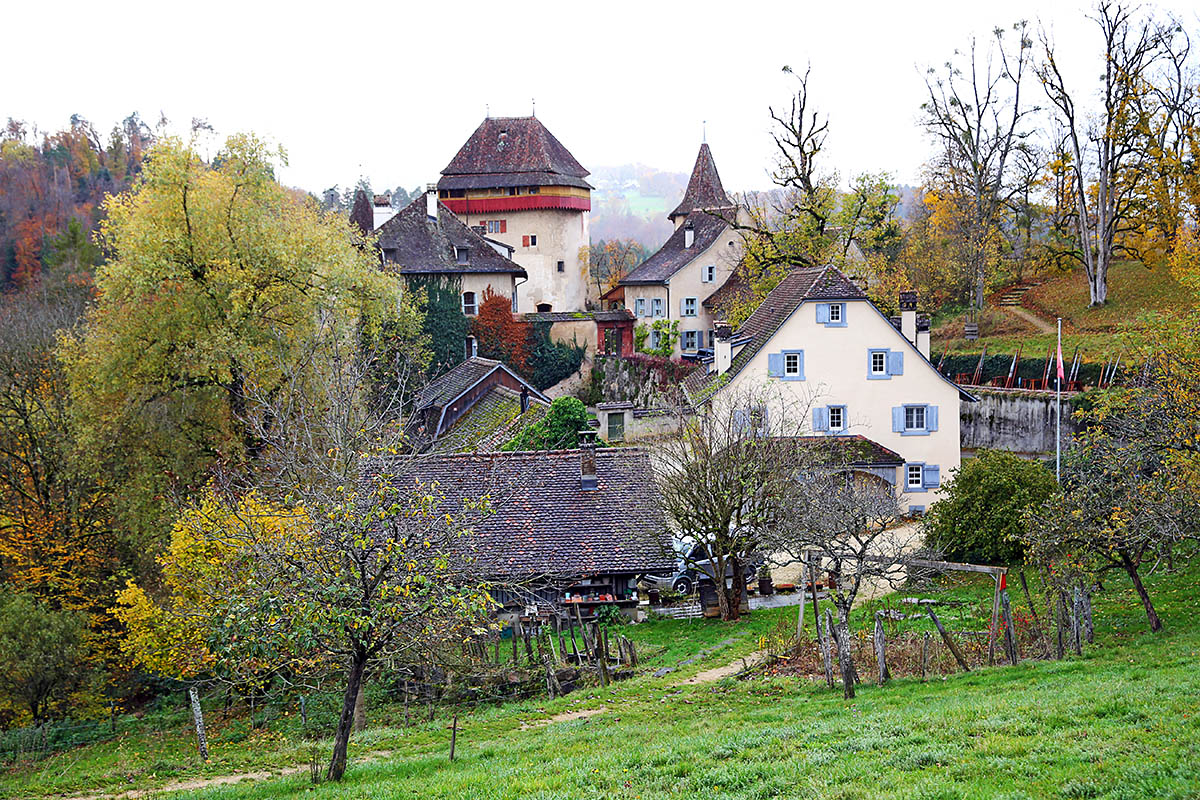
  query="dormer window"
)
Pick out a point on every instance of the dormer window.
point(689, 235)
point(462, 255)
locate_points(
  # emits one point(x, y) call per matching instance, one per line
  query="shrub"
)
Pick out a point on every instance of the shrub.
point(549, 361)
point(559, 429)
point(981, 515)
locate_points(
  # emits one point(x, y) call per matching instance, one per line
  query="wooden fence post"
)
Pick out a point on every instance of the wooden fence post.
point(924, 653)
point(1088, 628)
point(994, 629)
point(1076, 623)
point(1010, 635)
point(826, 656)
point(958, 655)
point(453, 736)
point(198, 718)
point(880, 651)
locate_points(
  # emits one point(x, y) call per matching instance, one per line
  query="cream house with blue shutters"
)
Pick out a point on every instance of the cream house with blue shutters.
point(818, 343)
point(691, 266)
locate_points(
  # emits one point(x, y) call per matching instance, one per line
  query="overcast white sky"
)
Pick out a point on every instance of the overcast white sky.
point(391, 90)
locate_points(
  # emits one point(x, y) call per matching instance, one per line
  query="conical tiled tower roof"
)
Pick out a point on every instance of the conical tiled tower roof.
point(704, 189)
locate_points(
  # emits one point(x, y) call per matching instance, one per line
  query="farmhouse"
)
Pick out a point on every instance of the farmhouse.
point(819, 344)
point(514, 182)
point(698, 258)
point(568, 525)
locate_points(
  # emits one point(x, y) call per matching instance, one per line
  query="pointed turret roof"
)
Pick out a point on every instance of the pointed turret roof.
point(512, 151)
point(704, 189)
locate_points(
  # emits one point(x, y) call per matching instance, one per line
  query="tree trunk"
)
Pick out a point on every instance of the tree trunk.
point(198, 718)
point(881, 651)
point(1151, 614)
point(844, 635)
point(360, 707)
point(845, 661)
point(341, 740)
point(730, 597)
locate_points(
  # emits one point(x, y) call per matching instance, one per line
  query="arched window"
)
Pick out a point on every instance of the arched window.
point(470, 307)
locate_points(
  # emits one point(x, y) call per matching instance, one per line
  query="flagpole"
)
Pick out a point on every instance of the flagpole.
point(1058, 410)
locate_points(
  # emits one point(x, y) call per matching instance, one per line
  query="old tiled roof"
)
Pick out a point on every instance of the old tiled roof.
point(848, 451)
point(512, 151)
point(452, 383)
point(704, 189)
point(491, 421)
point(673, 256)
point(802, 283)
point(412, 242)
point(544, 523)
point(613, 315)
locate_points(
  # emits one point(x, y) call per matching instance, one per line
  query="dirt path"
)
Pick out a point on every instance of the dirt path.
point(565, 716)
point(192, 784)
point(717, 673)
point(1042, 325)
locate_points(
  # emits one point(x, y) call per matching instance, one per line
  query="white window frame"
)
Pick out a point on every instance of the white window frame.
point(792, 365)
point(835, 314)
point(708, 273)
point(882, 356)
point(911, 413)
point(690, 306)
point(841, 413)
point(462, 255)
point(472, 309)
point(639, 307)
point(919, 471)
point(533, 240)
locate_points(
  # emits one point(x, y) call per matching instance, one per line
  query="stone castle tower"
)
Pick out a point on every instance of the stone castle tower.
point(515, 183)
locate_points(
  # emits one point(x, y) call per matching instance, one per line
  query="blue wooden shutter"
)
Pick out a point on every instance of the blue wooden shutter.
point(895, 364)
point(775, 365)
point(897, 419)
point(845, 308)
point(932, 476)
point(931, 418)
point(822, 312)
point(682, 306)
point(820, 419)
point(741, 420)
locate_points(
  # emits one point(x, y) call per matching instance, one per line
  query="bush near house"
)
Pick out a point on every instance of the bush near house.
point(557, 430)
point(982, 512)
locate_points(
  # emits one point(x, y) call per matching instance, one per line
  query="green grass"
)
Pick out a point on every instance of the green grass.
point(1120, 722)
point(1135, 295)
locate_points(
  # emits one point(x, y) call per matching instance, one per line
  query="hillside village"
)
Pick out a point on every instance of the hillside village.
point(439, 493)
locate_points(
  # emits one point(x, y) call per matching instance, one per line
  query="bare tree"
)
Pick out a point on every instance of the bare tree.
point(728, 485)
point(1108, 154)
point(975, 113)
point(848, 521)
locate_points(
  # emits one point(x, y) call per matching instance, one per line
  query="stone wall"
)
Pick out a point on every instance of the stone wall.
point(1015, 420)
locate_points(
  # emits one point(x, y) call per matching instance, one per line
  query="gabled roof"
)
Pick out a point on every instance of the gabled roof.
point(673, 256)
point(491, 422)
point(544, 523)
point(704, 189)
point(512, 151)
point(452, 384)
point(416, 244)
point(802, 283)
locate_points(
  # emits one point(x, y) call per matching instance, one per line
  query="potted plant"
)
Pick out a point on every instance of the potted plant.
point(765, 586)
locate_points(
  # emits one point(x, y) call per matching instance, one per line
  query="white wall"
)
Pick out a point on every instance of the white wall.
point(835, 373)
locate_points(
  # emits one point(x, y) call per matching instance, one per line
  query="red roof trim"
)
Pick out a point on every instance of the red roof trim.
point(484, 205)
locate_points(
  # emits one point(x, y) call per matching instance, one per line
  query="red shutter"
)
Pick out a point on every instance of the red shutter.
point(525, 241)
point(503, 226)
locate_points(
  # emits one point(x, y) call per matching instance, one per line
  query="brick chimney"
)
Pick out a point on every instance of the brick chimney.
point(908, 316)
point(587, 460)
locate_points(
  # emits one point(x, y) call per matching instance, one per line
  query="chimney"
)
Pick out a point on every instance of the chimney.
point(722, 347)
point(431, 201)
point(587, 460)
point(908, 316)
point(689, 235)
point(923, 335)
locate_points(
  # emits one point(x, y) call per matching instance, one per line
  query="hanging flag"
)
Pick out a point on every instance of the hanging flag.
point(1061, 375)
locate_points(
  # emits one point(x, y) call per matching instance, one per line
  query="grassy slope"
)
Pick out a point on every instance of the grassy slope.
point(1119, 722)
point(1134, 291)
